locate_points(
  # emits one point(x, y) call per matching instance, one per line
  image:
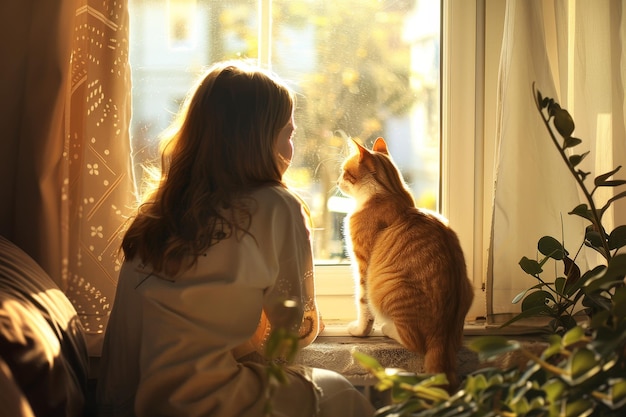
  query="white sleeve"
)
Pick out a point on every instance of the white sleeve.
point(290, 241)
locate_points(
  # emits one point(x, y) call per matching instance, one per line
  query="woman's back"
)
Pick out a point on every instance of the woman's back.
point(174, 336)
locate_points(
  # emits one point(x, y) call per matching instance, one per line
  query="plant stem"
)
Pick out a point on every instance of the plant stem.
point(545, 365)
point(597, 222)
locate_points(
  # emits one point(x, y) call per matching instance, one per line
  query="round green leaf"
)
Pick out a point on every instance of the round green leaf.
point(618, 392)
point(576, 159)
point(581, 407)
point(536, 299)
point(583, 211)
point(563, 122)
point(617, 238)
point(476, 383)
point(554, 389)
point(551, 247)
point(570, 142)
point(530, 266)
point(581, 365)
point(573, 336)
point(594, 238)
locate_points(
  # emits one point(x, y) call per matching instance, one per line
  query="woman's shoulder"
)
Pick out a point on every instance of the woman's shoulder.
point(276, 195)
point(279, 202)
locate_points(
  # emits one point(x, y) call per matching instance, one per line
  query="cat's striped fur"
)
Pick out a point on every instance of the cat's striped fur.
point(411, 270)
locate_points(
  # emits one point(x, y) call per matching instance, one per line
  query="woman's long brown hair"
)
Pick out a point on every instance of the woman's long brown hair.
point(220, 146)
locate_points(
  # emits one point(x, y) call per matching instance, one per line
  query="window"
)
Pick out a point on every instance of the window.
point(362, 68)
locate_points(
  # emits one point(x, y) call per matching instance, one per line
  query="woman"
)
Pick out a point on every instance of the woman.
point(212, 254)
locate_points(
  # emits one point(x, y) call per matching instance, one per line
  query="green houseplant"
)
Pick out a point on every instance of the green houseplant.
point(560, 298)
point(582, 370)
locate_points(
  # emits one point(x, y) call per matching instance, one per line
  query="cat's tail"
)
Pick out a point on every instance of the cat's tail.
point(462, 291)
point(442, 358)
point(442, 349)
point(448, 359)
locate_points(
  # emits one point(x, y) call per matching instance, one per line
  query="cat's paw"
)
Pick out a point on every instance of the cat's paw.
point(355, 329)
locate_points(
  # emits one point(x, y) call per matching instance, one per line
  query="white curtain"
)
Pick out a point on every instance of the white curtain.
point(574, 52)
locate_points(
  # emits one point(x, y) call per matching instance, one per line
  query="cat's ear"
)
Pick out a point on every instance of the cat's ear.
point(362, 150)
point(380, 146)
point(365, 156)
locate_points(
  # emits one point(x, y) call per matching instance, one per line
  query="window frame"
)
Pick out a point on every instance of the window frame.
point(470, 74)
point(471, 40)
point(463, 167)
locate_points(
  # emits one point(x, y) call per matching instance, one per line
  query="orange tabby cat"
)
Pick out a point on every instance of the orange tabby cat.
point(412, 272)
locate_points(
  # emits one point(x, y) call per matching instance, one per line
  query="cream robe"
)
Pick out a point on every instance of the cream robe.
point(168, 345)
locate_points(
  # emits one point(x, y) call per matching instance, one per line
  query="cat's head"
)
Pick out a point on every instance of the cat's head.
point(368, 173)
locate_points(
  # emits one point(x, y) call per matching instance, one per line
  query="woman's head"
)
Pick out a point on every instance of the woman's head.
point(232, 134)
point(230, 125)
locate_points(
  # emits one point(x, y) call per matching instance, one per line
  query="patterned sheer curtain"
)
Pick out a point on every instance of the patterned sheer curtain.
point(575, 53)
point(66, 178)
point(97, 191)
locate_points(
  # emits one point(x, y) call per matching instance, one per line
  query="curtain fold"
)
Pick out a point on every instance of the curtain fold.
point(33, 77)
point(573, 51)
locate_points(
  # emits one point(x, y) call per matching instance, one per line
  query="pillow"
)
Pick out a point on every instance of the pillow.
point(41, 337)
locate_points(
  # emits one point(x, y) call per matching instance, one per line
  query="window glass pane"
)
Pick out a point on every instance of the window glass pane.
point(362, 68)
point(171, 42)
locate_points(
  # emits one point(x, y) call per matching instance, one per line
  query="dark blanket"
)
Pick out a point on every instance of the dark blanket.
point(42, 350)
